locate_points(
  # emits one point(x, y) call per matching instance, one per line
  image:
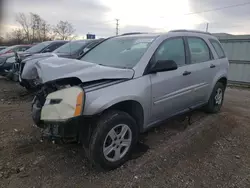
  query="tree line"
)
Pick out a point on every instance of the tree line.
point(33, 29)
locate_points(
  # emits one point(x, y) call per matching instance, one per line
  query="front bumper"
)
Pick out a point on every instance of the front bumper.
point(69, 129)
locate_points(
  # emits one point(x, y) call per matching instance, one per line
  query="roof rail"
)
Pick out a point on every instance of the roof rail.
point(132, 33)
point(192, 31)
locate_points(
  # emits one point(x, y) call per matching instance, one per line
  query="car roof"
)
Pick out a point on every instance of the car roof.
point(23, 45)
point(59, 41)
point(138, 35)
point(170, 33)
point(54, 41)
point(83, 40)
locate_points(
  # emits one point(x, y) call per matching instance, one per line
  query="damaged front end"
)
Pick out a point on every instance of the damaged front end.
point(62, 85)
point(58, 112)
point(27, 74)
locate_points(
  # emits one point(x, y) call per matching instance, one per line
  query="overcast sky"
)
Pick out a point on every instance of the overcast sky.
point(98, 16)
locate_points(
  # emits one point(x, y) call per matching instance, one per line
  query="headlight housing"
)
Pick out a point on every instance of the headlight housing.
point(63, 104)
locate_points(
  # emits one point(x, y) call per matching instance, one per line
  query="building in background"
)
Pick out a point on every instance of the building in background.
point(237, 48)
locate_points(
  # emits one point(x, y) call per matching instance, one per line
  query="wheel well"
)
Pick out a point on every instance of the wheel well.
point(133, 108)
point(223, 80)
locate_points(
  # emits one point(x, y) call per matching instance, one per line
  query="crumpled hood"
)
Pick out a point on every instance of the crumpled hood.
point(54, 68)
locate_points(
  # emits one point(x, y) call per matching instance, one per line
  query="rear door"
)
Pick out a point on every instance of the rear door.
point(201, 68)
point(171, 90)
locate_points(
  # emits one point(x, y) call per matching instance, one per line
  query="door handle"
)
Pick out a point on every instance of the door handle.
point(212, 66)
point(186, 73)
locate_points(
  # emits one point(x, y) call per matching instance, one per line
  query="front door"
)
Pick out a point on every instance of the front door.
point(171, 90)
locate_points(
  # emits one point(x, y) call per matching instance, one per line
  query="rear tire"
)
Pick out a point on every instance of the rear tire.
point(112, 141)
point(216, 99)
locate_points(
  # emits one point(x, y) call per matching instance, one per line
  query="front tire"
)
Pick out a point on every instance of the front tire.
point(216, 99)
point(112, 141)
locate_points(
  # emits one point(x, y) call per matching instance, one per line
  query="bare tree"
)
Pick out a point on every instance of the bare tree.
point(1, 40)
point(16, 36)
point(25, 24)
point(35, 24)
point(64, 30)
point(34, 27)
point(45, 31)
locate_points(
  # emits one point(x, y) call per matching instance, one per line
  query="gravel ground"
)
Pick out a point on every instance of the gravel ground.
point(212, 152)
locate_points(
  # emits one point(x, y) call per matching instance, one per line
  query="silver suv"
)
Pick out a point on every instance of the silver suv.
point(126, 85)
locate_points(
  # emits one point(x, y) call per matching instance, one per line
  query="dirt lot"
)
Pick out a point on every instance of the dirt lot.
point(212, 152)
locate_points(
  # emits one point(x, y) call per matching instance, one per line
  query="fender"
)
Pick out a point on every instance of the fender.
point(99, 105)
point(218, 76)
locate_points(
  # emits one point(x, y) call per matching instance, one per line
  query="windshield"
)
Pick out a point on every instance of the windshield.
point(39, 47)
point(71, 47)
point(7, 49)
point(121, 52)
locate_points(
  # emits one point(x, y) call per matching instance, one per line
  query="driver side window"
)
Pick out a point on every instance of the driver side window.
point(172, 49)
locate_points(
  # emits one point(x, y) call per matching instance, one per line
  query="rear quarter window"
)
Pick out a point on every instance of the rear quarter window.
point(218, 48)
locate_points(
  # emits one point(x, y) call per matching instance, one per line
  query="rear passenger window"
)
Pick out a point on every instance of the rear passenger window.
point(220, 52)
point(199, 50)
point(172, 49)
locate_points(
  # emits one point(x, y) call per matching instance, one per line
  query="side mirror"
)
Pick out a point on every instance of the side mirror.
point(164, 65)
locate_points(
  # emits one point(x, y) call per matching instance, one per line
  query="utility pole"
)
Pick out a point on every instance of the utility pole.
point(117, 26)
point(207, 27)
